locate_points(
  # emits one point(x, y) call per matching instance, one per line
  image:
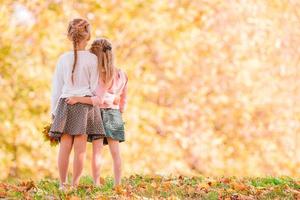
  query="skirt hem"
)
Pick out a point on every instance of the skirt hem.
point(59, 134)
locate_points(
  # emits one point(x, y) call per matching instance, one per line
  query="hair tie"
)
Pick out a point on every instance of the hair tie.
point(106, 48)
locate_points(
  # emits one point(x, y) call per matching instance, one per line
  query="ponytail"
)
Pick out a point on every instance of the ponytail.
point(102, 48)
point(75, 59)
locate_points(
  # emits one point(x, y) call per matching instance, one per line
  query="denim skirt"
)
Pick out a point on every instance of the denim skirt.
point(113, 125)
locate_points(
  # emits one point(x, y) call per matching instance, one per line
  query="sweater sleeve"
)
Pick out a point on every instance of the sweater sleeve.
point(96, 100)
point(57, 86)
point(123, 96)
point(103, 97)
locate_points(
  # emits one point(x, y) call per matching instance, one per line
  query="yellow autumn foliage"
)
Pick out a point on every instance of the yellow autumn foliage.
point(214, 86)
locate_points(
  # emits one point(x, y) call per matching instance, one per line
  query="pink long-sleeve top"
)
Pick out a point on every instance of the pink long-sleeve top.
point(104, 97)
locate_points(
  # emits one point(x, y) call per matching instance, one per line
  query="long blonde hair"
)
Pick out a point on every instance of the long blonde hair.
point(78, 30)
point(102, 48)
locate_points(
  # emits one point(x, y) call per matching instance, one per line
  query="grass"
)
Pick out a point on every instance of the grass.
point(159, 187)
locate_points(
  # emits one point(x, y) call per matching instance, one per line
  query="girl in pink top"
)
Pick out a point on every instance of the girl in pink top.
point(111, 99)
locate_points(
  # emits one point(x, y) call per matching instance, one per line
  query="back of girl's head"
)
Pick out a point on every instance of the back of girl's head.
point(78, 31)
point(102, 48)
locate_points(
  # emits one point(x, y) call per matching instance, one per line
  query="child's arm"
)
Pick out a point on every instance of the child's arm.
point(95, 100)
point(105, 98)
point(84, 100)
point(57, 85)
point(123, 97)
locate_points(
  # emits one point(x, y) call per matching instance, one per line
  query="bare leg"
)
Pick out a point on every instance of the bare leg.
point(96, 160)
point(115, 153)
point(79, 157)
point(65, 147)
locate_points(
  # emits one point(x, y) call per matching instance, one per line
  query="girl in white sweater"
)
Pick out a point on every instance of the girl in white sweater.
point(76, 74)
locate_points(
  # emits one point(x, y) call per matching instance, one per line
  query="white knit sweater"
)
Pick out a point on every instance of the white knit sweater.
point(85, 77)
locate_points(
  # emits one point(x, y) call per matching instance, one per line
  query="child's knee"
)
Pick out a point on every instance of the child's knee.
point(79, 150)
point(97, 146)
point(117, 160)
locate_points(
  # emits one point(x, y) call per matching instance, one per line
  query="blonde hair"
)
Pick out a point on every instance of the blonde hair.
point(78, 30)
point(102, 48)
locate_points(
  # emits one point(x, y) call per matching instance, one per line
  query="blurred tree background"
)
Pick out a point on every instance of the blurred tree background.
point(214, 85)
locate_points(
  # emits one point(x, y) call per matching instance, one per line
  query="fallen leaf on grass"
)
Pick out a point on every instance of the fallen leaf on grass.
point(191, 190)
point(202, 187)
point(81, 186)
point(239, 186)
point(153, 184)
point(119, 190)
point(241, 197)
point(102, 181)
point(157, 178)
point(222, 193)
point(26, 186)
point(73, 198)
point(172, 198)
point(129, 190)
point(3, 190)
point(294, 191)
point(3, 186)
point(142, 185)
point(225, 180)
point(102, 198)
point(3, 194)
point(166, 185)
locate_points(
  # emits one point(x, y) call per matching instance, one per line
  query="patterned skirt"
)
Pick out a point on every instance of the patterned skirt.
point(77, 119)
point(113, 125)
